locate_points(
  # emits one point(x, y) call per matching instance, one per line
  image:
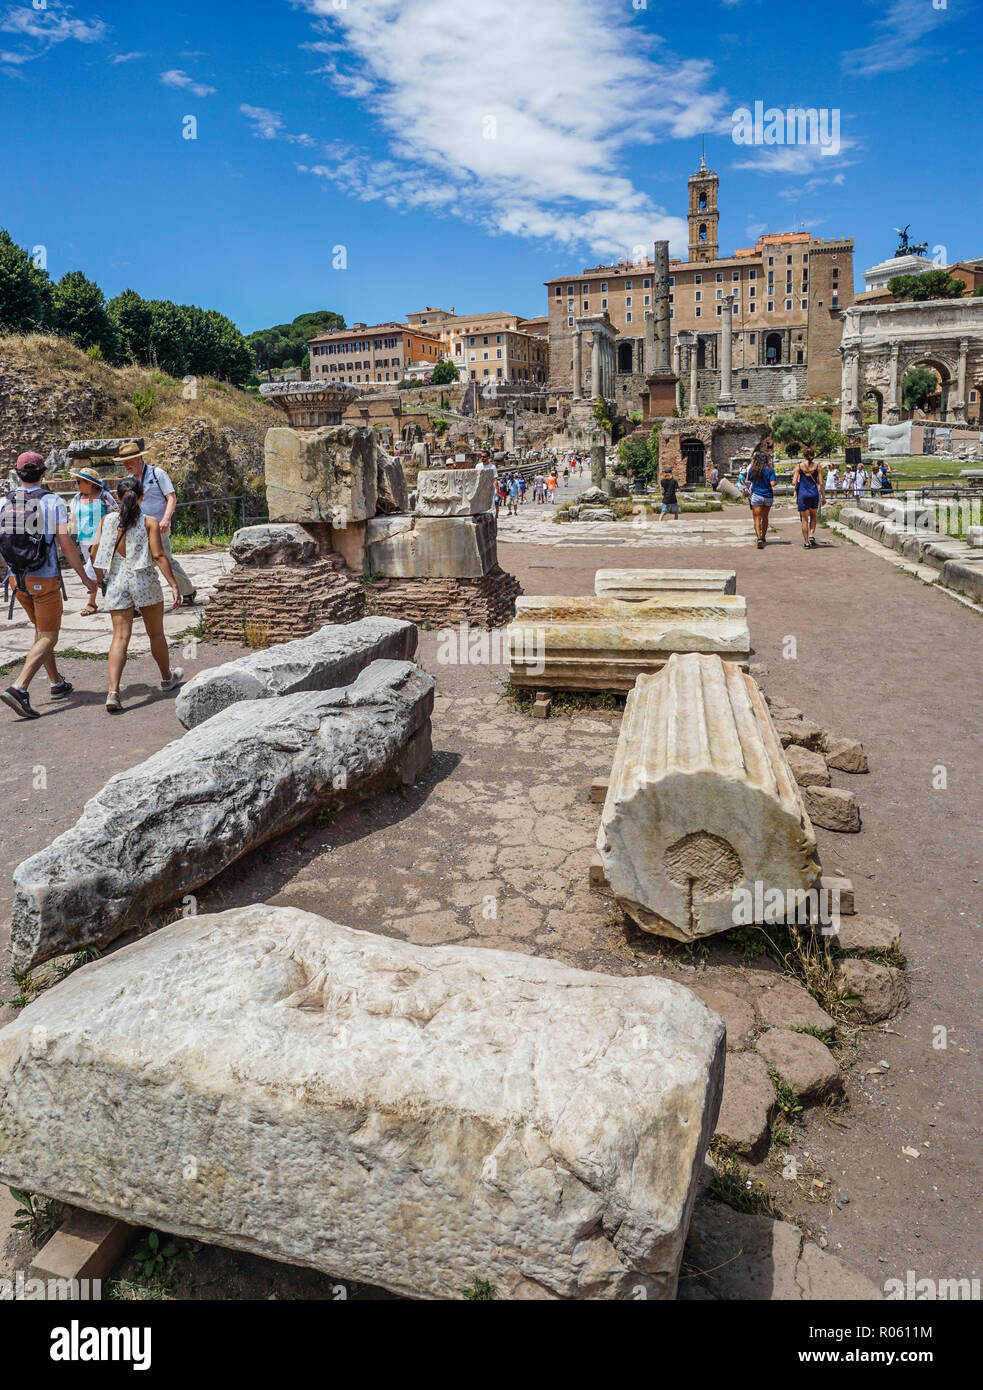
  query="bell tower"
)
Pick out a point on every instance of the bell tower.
point(703, 214)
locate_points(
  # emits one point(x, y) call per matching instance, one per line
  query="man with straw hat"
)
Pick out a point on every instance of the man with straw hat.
point(159, 500)
point(90, 504)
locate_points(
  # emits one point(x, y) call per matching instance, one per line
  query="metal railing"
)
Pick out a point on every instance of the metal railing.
point(217, 515)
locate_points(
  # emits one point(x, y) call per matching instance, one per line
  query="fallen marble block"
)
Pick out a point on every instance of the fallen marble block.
point(328, 474)
point(695, 605)
point(634, 585)
point(329, 658)
point(454, 491)
point(702, 808)
point(416, 1117)
point(412, 546)
point(392, 493)
point(609, 645)
point(168, 825)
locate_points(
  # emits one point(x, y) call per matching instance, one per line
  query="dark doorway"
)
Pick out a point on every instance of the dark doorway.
point(694, 457)
point(624, 357)
point(773, 349)
point(701, 353)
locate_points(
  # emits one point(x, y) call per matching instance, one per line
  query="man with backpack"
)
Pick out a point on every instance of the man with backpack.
point(33, 524)
point(159, 501)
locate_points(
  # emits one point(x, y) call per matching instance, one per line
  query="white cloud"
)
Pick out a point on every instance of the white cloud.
point(40, 30)
point(174, 77)
point(900, 41)
point(793, 195)
point(525, 119)
point(270, 125)
point(795, 159)
point(126, 57)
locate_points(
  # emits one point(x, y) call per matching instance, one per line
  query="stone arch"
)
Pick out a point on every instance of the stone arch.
point(878, 397)
point(937, 404)
point(625, 357)
point(694, 455)
point(773, 349)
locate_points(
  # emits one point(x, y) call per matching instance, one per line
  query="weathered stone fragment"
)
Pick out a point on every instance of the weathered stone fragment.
point(833, 809)
point(633, 585)
point(329, 474)
point(173, 822)
point(800, 731)
point(870, 935)
point(410, 546)
point(326, 660)
point(871, 991)
point(656, 607)
point(748, 1100)
point(809, 769)
point(786, 1004)
point(701, 806)
point(847, 755)
point(392, 491)
point(801, 1061)
point(740, 1257)
point(406, 1116)
point(282, 544)
point(454, 491)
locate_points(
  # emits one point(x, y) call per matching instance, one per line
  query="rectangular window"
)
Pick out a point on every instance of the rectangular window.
point(627, 301)
point(698, 295)
point(788, 304)
point(771, 306)
point(804, 303)
point(569, 323)
point(647, 284)
point(699, 312)
point(672, 281)
point(628, 317)
point(648, 299)
point(800, 357)
point(752, 275)
point(586, 305)
point(569, 289)
point(751, 339)
point(805, 258)
point(697, 279)
point(604, 287)
point(719, 277)
point(604, 304)
point(627, 284)
point(788, 260)
point(736, 275)
point(745, 384)
point(752, 307)
point(585, 289)
point(672, 313)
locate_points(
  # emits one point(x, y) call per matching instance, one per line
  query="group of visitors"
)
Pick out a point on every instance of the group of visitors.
point(854, 481)
point(511, 489)
point(115, 544)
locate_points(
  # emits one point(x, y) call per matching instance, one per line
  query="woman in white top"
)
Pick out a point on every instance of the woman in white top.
point(832, 480)
point(129, 551)
point(859, 481)
point(847, 483)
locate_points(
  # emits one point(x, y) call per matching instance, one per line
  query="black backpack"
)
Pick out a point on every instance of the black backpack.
point(24, 543)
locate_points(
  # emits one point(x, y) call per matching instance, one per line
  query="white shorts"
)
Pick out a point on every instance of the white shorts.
point(133, 589)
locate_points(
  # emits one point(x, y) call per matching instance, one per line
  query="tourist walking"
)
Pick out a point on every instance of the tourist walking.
point(670, 499)
point(33, 526)
point(860, 481)
point(90, 504)
point(714, 477)
point(810, 494)
point(513, 496)
point(129, 551)
point(884, 477)
point(761, 478)
point(523, 484)
point(159, 501)
point(551, 487)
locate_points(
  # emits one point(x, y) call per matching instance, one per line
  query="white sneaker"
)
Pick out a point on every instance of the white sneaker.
point(176, 677)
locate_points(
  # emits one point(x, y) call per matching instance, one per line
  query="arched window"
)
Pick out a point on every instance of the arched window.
point(703, 202)
point(703, 231)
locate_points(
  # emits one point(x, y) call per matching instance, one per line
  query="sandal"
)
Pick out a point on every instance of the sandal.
point(113, 703)
point(88, 610)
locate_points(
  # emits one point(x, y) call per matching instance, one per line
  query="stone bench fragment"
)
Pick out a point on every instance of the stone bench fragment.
point(168, 825)
point(601, 644)
point(454, 491)
point(406, 1116)
point(329, 658)
point(633, 585)
point(702, 807)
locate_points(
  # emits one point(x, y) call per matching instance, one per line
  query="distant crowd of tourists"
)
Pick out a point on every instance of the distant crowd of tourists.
point(116, 544)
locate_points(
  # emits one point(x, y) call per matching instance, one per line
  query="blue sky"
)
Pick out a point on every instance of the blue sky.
point(464, 151)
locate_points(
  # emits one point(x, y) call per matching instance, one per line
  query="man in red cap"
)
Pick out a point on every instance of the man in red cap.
point(33, 524)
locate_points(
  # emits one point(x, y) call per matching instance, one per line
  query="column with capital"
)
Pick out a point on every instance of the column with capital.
point(676, 366)
point(726, 405)
point(852, 418)
point(959, 410)
point(578, 363)
point(894, 403)
point(692, 409)
point(596, 386)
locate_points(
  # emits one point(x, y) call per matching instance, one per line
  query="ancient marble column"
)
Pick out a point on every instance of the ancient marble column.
point(959, 410)
point(578, 364)
point(726, 405)
point(596, 384)
point(692, 405)
point(852, 418)
point(676, 367)
point(598, 467)
point(894, 403)
point(660, 299)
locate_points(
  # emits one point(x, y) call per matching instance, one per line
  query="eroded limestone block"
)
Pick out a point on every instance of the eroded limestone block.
point(413, 1117)
point(634, 585)
point(455, 491)
point(328, 474)
point(701, 804)
point(173, 822)
point(330, 658)
point(665, 607)
point(410, 546)
point(283, 544)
